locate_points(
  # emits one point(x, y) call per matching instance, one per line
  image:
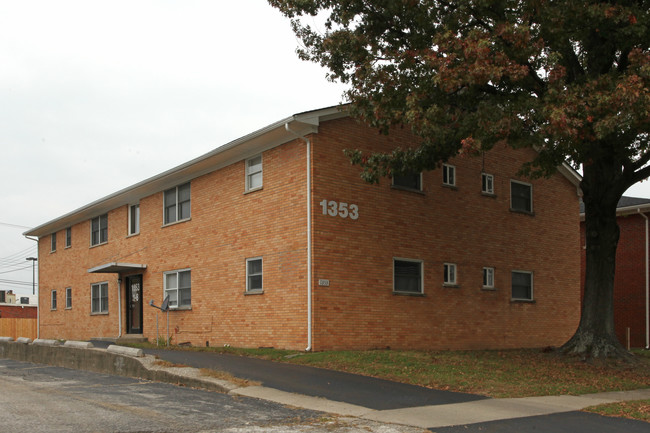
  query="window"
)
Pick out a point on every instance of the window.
point(409, 181)
point(449, 270)
point(99, 298)
point(53, 242)
point(448, 175)
point(178, 286)
point(487, 183)
point(521, 196)
point(254, 173)
point(488, 278)
point(68, 237)
point(522, 285)
point(407, 276)
point(99, 230)
point(134, 219)
point(254, 275)
point(53, 300)
point(177, 203)
point(68, 297)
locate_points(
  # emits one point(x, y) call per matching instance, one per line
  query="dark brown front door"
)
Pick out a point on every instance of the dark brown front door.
point(134, 304)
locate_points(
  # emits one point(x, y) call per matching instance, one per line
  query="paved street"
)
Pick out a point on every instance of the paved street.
point(39, 398)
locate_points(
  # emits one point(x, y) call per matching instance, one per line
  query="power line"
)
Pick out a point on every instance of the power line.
point(14, 270)
point(16, 226)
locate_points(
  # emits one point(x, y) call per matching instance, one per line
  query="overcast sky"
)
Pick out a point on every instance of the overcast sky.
point(99, 95)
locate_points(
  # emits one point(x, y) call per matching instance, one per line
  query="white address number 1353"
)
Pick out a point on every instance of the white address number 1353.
point(344, 210)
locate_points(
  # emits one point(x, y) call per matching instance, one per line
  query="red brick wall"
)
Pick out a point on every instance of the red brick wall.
point(17, 312)
point(460, 226)
point(629, 282)
point(226, 227)
point(358, 309)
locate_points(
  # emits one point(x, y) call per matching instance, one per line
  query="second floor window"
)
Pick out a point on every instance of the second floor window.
point(134, 219)
point(448, 175)
point(177, 203)
point(99, 230)
point(254, 173)
point(409, 181)
point(68, 237)
point(53, 242)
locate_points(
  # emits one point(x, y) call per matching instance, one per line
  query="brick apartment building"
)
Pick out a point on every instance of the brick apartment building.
point(274, 240)
point(631, 278)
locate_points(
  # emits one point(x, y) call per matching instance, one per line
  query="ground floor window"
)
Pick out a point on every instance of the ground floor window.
point(178, 287)
point(407, 276)
point(99, 298)
point(522, 285)
point(53, 300)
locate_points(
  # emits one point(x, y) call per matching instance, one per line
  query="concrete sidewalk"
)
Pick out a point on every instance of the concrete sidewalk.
point(407, 405)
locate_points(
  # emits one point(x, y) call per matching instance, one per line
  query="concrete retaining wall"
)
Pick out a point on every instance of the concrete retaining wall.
point(102, 361)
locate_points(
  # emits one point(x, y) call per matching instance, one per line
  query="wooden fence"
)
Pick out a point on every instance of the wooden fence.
point(18, 328)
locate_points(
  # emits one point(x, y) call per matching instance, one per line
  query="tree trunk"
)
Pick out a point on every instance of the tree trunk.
point(596, 337)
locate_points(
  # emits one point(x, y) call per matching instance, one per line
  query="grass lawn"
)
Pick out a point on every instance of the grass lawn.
point(628, 409)
point(494, 373)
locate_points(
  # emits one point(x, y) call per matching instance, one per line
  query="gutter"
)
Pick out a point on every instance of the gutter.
point(647, 284)
point(309, 240)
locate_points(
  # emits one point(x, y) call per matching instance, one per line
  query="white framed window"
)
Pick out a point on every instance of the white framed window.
point(99, 230)
point(407, 276)
point(448, 175)
point(522, 285)
point(53, 242)
point(488, 278)
point(178, 286)
point(177, 204)
point(408, 181)
point(53, 300)
point(254, 275)
point(450, 274)
point(254, 173)
point(521, 196)
point(68, 237)
point(487, 183)
point(134, 219)
point(99, 298)
point(68, 297)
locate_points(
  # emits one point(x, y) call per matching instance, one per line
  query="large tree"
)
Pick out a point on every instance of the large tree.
point(569, 78)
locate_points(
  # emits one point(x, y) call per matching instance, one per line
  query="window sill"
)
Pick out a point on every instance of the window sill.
point(452, 187)
point(99, 313)
point(252, 190)
point(522, 301)
point(131, 235)
point(450, 286)
point(183, 308)
point(415, 294)
point(407, 189)
point(521, 211)
point(253, 292)
point(489, 289)
point(488, 194)
point(98, 245)
point(175, 223)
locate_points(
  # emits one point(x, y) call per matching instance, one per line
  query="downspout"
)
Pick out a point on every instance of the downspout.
point(647, 284)
point(38, 297)
point(119, 306)
point(309, 241)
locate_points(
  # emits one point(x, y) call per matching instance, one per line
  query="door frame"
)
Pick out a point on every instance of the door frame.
point(130, 328)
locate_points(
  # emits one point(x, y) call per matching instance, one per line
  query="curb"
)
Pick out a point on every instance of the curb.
point(119, 360)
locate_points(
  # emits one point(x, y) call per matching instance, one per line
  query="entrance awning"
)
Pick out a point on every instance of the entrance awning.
point(115, 268)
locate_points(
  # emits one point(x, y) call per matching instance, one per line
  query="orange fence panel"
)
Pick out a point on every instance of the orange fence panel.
point(15, 328)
